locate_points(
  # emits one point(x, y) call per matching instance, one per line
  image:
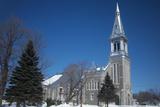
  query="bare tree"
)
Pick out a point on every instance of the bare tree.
point(13, 37)
point(10, 34)
point(75, 74)
point(151, 97)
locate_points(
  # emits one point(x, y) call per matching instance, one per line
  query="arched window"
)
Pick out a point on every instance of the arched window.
point(118, 73)
point(112, 74)
point(124, 46)
point(92, 97)
point(114, 81)
point(87, 86)
point(92, 85)
point(115, 47)
point(118, 46)
point(98, 85)
point(95, 85)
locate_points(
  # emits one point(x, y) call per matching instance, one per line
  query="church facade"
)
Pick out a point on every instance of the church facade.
point(118, 68)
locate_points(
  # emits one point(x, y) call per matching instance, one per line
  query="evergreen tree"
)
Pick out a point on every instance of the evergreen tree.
point(107, 91)
point(25, 86)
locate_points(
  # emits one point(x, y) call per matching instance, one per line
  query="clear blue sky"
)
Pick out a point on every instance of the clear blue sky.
point(78, 30)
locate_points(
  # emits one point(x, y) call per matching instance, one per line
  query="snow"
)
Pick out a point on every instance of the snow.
point(70, 105)
point(98, 69)
point(105, 68)
point(110, 105)
point(5, 104)
point(52, 79)
point(85, 105)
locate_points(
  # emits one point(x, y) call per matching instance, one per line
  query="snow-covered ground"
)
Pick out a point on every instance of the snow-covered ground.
point(5, 104)
point(70, 105)
point(110, 105)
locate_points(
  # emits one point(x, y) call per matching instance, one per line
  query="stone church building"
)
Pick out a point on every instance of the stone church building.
point(118, 68)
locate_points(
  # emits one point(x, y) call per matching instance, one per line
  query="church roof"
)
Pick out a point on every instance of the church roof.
point(106, 67)
point(52, 79)
point(117, 27)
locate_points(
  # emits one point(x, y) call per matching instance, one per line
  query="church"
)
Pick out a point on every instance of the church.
point(118, 68)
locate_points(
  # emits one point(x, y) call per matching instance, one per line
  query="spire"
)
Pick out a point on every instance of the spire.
point(117, 9)
point(117, 27)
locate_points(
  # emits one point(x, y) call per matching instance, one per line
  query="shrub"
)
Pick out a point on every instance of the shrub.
point(53, 102)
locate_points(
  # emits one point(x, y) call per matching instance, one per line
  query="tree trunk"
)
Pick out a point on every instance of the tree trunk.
point(77, 98)
point(0, 102)
point(107, 103)
point(81, 94)
point(3, 80)
point(98, 97)
point(17, 105)
point(24, 104)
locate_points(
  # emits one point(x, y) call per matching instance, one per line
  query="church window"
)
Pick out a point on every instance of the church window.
point(60, 89)
point(53, 94)
point(92, 85)
point(92, 97)
point(116, 26)
point(60, 92)
point(87, 86)
point(118, 73)
point(98, 85)
point(115, 47)
point(95, 86)
point(114, 73)
point(49, 92)
point(118, 46)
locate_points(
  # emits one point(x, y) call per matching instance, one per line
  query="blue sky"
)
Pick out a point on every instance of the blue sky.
point(79, 30)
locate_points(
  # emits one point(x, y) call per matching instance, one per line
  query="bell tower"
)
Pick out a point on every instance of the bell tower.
point(120, 62)
point(118, 39)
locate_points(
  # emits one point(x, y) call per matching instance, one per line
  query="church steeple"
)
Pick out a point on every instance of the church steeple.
point(117, 27)
point(118, 38)
point(119, 61)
